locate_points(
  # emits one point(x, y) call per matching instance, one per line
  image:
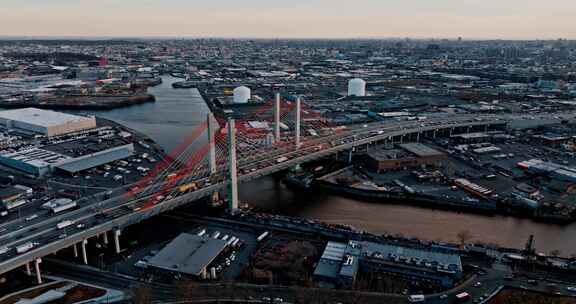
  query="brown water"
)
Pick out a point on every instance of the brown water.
point(408, 221)
point(177, 112)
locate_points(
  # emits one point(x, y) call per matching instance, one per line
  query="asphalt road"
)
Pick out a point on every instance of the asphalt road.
point(252, 164)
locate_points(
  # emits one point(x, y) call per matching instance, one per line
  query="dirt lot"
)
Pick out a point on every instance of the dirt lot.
point(528, 297)
point(73, 295)
point(284, 262)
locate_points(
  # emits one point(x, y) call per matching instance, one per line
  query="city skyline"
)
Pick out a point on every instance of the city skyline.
point(471, 19)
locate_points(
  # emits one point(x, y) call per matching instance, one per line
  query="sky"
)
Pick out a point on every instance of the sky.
point(470, 19)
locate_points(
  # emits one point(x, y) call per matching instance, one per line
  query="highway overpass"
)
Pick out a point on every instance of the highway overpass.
point(117, 212)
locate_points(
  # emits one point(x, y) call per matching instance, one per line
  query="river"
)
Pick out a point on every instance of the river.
point(171, 119)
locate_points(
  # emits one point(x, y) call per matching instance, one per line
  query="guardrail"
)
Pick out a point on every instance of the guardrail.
point(136, 217)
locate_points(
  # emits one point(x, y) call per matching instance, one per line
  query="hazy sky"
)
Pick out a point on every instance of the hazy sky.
point(515, 19)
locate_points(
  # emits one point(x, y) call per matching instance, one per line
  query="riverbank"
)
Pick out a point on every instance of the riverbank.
point(81, 102)
point(431, 202)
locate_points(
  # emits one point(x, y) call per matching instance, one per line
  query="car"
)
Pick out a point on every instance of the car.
point(571, 288)
point(444, 296)
point(477, 284)
point(33, 216)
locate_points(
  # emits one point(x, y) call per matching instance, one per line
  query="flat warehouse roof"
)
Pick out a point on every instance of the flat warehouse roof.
point(188, 253)
point(420, 149)
point(95, 160)
point(40, 117)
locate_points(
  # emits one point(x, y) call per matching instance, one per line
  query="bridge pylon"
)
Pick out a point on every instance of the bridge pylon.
point(232, 170)
point(298, 118)
point(277, 117)
point(211, 142)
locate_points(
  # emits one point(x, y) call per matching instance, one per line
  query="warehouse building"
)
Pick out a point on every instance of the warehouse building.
point(49, 123)
point(35, 161)
point(188, 254)
point(41, 161)
point(340, 264)
point(443, 269)
point(405, 156)
point(78, 164)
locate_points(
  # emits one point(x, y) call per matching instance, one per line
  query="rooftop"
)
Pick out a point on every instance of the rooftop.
point(420, 150)
point(40, 117)
point(188, 253)
point(429, 256)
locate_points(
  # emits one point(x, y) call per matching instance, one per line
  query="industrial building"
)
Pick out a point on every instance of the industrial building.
point(340, 263)
point(49, 123)
point(405, 156)
point(550, 169)
point(35, 161)
point(70, 157)
point(188, 254)
point(444, 269)
point(75, 165)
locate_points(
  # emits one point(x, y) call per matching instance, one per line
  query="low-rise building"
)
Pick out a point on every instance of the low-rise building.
point(340, 263)
point(45, 122)
point(188, 254)
point(405, 156)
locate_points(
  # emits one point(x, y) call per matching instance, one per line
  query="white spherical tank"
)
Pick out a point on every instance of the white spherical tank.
point(241, 94)
point(356, 87)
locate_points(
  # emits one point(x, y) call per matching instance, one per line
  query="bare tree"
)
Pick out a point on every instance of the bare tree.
point(464, 237)
point(555, 252)
point(142, 295)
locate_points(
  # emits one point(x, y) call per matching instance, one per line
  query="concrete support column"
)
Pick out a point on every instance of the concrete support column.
point(211, 142)
point(28, 270)
point(298, 109)
point(105, 237)
point(468, 129)
point(434, 134)
point(38, 273)
point(233, 174)
point(418, 137)
point(277, 117)
point(350, 156)
point(451, 130)
point(84, 251)
point(117, 234)
point(75, 247)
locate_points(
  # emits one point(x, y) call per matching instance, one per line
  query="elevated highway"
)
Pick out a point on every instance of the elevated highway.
point(99, 215)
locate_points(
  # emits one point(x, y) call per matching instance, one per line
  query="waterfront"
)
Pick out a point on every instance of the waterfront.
point(177, 112)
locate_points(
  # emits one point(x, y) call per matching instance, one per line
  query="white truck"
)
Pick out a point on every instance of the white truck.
point(25, 247)
point(64, 224)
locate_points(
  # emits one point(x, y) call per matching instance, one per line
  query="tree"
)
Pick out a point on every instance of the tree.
point(186, 290)
point(142, 295)
point(555, 252)
point(464, 237)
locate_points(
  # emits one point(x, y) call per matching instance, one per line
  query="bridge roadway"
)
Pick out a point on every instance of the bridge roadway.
point(118, 212)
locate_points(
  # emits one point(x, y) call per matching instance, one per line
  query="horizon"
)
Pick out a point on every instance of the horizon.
point(103, 38)
point(313, 19)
